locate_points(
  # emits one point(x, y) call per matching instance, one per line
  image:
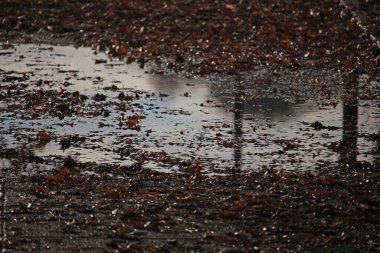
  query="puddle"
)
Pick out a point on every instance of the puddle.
point(219, 123)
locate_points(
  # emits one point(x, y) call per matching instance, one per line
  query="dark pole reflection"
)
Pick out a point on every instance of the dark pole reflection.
point(377, 155)
point(238, 122)
point(350, 120)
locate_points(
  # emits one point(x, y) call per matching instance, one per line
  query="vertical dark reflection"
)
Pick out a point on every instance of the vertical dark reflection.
point(238, 122)
point(2, 211)
point(350, 120)
point(377, 155)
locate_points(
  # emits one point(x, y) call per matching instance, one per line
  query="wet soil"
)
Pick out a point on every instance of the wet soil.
point(56, 196)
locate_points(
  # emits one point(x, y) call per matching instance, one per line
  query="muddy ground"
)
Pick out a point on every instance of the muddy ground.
point(111, 208)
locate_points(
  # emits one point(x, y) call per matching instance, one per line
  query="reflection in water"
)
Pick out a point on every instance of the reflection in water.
point(377, 155)
point(238, 122)
point(350, 121)
point(185, 126)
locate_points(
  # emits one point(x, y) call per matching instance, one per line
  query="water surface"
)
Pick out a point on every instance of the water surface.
point(221, 122)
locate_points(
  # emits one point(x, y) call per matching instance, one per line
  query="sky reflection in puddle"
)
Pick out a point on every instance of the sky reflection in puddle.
point(248, 126)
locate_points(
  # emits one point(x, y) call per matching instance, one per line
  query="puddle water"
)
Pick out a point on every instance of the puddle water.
point(220, 123)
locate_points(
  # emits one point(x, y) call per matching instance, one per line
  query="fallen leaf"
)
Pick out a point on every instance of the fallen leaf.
point(44, 136)
point(67, 170)
point(60, 175)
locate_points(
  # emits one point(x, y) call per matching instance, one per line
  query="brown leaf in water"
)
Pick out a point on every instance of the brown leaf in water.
point(44, 136)
point(60, 175)
point(67, 170)
point(94, 114)
point(194, 169)
point(228, 144)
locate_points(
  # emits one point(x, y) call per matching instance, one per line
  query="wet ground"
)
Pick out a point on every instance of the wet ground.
point(198, 127)
point(91, 140)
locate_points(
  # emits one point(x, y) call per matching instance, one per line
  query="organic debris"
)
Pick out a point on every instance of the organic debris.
point(276, 151)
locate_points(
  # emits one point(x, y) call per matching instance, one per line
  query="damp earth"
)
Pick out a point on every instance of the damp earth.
point(118, 157)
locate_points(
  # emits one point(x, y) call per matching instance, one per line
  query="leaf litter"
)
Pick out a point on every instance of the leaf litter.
point(84, 156)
